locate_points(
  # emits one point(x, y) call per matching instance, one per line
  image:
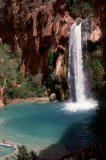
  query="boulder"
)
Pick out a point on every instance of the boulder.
point(53, 97)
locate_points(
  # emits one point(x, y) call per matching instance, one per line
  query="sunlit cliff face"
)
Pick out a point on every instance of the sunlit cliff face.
point(32, 27)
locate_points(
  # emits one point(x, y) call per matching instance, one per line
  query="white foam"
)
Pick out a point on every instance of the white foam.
point(8, 145)
point(80, 106)
point(77, 80)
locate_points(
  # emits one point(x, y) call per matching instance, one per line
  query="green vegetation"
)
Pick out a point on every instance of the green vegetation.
point(50, 67)
point(12, 82)
point(80, 9)
point(98, 66)
point(27, 88)
point(23, 154)
point(98, 72)
point(67, 1)
point(8, 66)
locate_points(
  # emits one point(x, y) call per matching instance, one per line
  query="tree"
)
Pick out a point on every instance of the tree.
point(12, 82)
point(50, 66)
point(8, 67)
point(23, 154)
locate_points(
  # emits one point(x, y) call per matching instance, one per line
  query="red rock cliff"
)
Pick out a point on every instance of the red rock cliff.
point(32, 27)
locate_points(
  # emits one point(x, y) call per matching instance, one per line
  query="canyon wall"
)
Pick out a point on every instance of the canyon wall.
point(33, 27)
point(100, 9)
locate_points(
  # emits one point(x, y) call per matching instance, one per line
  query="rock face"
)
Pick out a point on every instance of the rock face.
point(95, 35)
point(60, 72)
point(96, 32)
point(33, 27)
point(100, 9)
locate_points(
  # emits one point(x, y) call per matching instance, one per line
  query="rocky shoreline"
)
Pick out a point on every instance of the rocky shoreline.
point(44, 99)
point(36, 99)
point(18, 100)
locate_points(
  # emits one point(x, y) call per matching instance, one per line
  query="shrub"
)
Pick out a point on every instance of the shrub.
point(50, 66)
point(23, 154)
point(98, 71)
point(81, 9)
point(24, 86)
point(26, 89)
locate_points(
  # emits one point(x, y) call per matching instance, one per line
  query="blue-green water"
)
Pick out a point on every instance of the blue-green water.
point(41, 126)
point(5, 150)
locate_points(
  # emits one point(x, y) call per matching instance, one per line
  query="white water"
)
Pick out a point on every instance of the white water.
point(76, 78)
point(8, 145)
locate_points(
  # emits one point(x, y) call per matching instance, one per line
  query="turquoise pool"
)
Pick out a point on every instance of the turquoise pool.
point(44, 127)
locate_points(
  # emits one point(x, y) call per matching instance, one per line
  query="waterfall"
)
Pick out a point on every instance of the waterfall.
point(77, 80)
point(75, 67)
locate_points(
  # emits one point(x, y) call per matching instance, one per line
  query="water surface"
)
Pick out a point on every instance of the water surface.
point(5, 150)
point(39, 126)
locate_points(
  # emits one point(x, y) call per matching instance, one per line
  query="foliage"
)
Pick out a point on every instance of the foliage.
point(15, 84)
point(8, 65)
point(26, 88)
point(58, 87)
point(9, 62)
point(97, 65)
point(50, 66)
point(98, 71)
point(16, 55)
point(67, 1)
point(81, 9)
point(100, 126)
point(23, 154)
